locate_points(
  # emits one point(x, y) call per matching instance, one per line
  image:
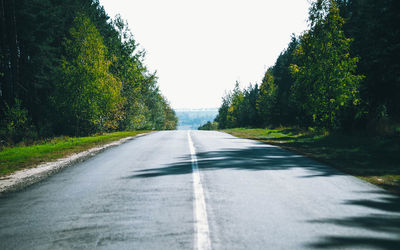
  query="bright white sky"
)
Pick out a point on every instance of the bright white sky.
point(200, 48)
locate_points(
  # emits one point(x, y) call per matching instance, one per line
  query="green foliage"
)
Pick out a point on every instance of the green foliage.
point(250, 114)
point(235, 110)
point(87, 93)
point(284, 109)
point(75, 71)
point(325, 79)
point(314, 82)
point(209, 126)
point(374, 27)
point(16, 124)
point(239, 108)
point(222, 117)
point(374, 159)
point(128, 68)
point(268, 98)
point(170, 118)
point(19, 157)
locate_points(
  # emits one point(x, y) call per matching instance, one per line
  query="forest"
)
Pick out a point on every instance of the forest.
point(67, 68)
point(343, 73)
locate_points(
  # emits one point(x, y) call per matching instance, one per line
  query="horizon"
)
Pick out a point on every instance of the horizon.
point(192, 55)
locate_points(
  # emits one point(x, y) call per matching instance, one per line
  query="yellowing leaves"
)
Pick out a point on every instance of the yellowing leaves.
point(91, 92)
point(294, 69)
point(324, 71)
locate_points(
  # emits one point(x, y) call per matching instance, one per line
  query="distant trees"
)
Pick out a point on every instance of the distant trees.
point(66, 68)
point(209, 126)
point(339, 74)
point(240, 108)
point(267, 100)
point(194, 118)
point(222, 117)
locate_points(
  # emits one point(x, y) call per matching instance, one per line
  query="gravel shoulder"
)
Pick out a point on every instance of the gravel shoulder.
point(26, 177)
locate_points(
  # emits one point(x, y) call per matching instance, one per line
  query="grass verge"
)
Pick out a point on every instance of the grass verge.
point(373, 159)
point(21, 157)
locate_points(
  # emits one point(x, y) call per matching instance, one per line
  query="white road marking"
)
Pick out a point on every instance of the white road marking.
point(202, 240)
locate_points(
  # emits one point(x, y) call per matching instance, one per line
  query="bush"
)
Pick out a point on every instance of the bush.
point(16, 125)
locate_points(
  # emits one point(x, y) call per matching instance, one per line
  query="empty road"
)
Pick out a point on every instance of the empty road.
point(199, 190)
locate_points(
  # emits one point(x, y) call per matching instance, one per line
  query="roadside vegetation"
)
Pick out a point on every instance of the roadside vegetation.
point(209, 126)
point(21, 157)
point(333, 93)
point(67, 68)
point(375, 159)
point(338, 76)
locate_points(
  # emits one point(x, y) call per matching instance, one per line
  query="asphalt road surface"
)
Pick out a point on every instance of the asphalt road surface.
point(199, 190)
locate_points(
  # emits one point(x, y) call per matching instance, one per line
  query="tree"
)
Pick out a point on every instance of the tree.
point(249, 114)
point(325, 76)
point(235, 110)
point(88, 96)
point(170, 118)
point(209, 126)
point(222, 117)
point(127, 66)
point(73, 71)
point(374, 27)
point(284, 111)
point(10, 85)
point(267, 99)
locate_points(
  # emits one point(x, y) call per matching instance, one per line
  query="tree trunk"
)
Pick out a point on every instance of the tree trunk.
point(13, 41)
point(3, 52)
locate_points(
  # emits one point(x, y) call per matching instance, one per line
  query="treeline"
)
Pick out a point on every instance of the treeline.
point(66, 68)
point(192, 119)
point(209, 126)
point(342, 73)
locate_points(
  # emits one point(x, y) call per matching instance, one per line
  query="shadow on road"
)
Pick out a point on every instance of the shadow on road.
point(385, 220)
point(251, 159)
point(387, 207)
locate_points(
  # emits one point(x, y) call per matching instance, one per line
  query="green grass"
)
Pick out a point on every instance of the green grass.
point(374, 159)
point(21, 157)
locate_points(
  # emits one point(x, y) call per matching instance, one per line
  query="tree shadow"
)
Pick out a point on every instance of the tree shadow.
point(357, 243)
point(268, 158)
point(386, 220)
point(251, 159)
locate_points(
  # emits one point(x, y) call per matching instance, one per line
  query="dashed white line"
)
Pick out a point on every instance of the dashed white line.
point(202, 233)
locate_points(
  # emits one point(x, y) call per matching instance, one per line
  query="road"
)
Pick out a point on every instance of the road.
point(198, 189)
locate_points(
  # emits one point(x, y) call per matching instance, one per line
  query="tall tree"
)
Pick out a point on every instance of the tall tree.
point(284, 111)
point(87, 94)
point(266, 102)
point(374, 27)
point(250, 114)
point(222, 117)
point(9, 72)
point(236, 108)
point(55, 79)
point(325, 72)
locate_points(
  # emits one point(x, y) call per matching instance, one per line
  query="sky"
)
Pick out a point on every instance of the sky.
point(200, 48)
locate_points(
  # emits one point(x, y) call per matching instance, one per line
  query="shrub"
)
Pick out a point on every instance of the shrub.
point(16, 125)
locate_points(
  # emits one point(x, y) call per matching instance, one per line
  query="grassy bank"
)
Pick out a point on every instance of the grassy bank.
point(374, 159)
point(20, 157)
